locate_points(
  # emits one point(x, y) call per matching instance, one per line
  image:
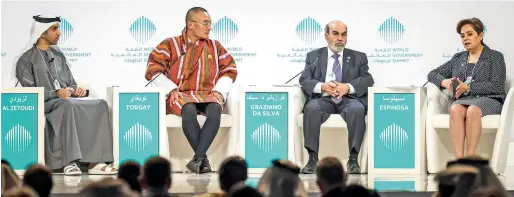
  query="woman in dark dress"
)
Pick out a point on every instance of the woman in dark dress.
point(476, 79)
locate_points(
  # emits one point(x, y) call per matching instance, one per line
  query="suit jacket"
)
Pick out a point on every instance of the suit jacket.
point(488, 78)
point(355, 71)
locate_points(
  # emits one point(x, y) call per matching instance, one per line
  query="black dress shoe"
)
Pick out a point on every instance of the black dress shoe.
point(310, 166)
point(205, 167)
point(353, 167)
point(194, 165)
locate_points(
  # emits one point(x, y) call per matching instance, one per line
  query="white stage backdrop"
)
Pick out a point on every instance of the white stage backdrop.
point(108, 41)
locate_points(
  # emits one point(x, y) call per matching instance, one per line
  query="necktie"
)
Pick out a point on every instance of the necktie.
point(337, 71)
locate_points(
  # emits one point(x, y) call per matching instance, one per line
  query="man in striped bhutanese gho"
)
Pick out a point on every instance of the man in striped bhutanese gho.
point(198, 73)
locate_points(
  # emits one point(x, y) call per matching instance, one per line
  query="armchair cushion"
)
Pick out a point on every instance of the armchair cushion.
point(442, 121)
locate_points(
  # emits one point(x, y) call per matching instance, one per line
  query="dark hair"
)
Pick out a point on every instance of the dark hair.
point(476, 23)
point(488, 192)
point(6, 163)
point(39, 178)
point(192, 11)
point(157, 172)
point(330, 170)
point(129, 171)
point(20, 192)
point(245, 191)
point(327, 27)
point(233, 170)
point(106, 187)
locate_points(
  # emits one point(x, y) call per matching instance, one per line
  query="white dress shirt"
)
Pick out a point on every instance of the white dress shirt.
point(330, 69)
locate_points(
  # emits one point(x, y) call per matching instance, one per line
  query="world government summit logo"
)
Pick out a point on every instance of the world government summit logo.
point(72, 52)
point(308, 30)
point(391, 31)
point(142, 30)
point(66, 31)
point(18, 139)
point(225, 30)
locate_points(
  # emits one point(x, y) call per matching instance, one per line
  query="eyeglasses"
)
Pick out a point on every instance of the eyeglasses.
point(203, 23)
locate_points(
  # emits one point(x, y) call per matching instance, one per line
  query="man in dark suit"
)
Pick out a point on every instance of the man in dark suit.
point(331, 177)
point(337, 83)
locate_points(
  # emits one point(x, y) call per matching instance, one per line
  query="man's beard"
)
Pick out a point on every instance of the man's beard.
point(51, 42)
point(336, 49)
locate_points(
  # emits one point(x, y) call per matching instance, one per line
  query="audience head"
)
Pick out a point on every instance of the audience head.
point(39, 178)
point(156, 173)
point(20, 192)
point(9, 178)
point(129, 172)
point(6, 162)
point(107, 187)
point(488, 177)
point(469, 176)
point(471, 32)
point(457, 180)
point(330, 174)
point(243, 191)
point(281, 180)
point(232, 171)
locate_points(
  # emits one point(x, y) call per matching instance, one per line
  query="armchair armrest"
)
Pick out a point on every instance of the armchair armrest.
point(232, 103)
point(438, 101)
point(503, 134)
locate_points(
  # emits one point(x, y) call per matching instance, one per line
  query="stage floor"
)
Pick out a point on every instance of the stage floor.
point(185, 184)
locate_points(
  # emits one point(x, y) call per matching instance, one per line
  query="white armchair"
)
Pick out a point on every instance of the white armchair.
point(224, 144)
point(494, 141)
point(333, 141)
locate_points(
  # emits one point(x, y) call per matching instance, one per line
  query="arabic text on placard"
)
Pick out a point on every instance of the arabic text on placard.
point(138, 107)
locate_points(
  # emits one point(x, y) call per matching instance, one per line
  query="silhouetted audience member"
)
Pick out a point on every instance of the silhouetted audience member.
point(129, 172)
point(156, 177)
point(469, 176)
point(281, 180)
point(107, 187)
point(39, 178)
point(233, 171)
point(331, 177)
point(9, 178)
point(19, 192)
point(244, 191)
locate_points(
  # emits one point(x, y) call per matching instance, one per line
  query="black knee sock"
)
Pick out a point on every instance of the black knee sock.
point(354, 154)
point(312, 154)
point(209, 129)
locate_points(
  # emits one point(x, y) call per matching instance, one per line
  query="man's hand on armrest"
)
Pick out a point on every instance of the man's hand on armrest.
point(175, 94)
